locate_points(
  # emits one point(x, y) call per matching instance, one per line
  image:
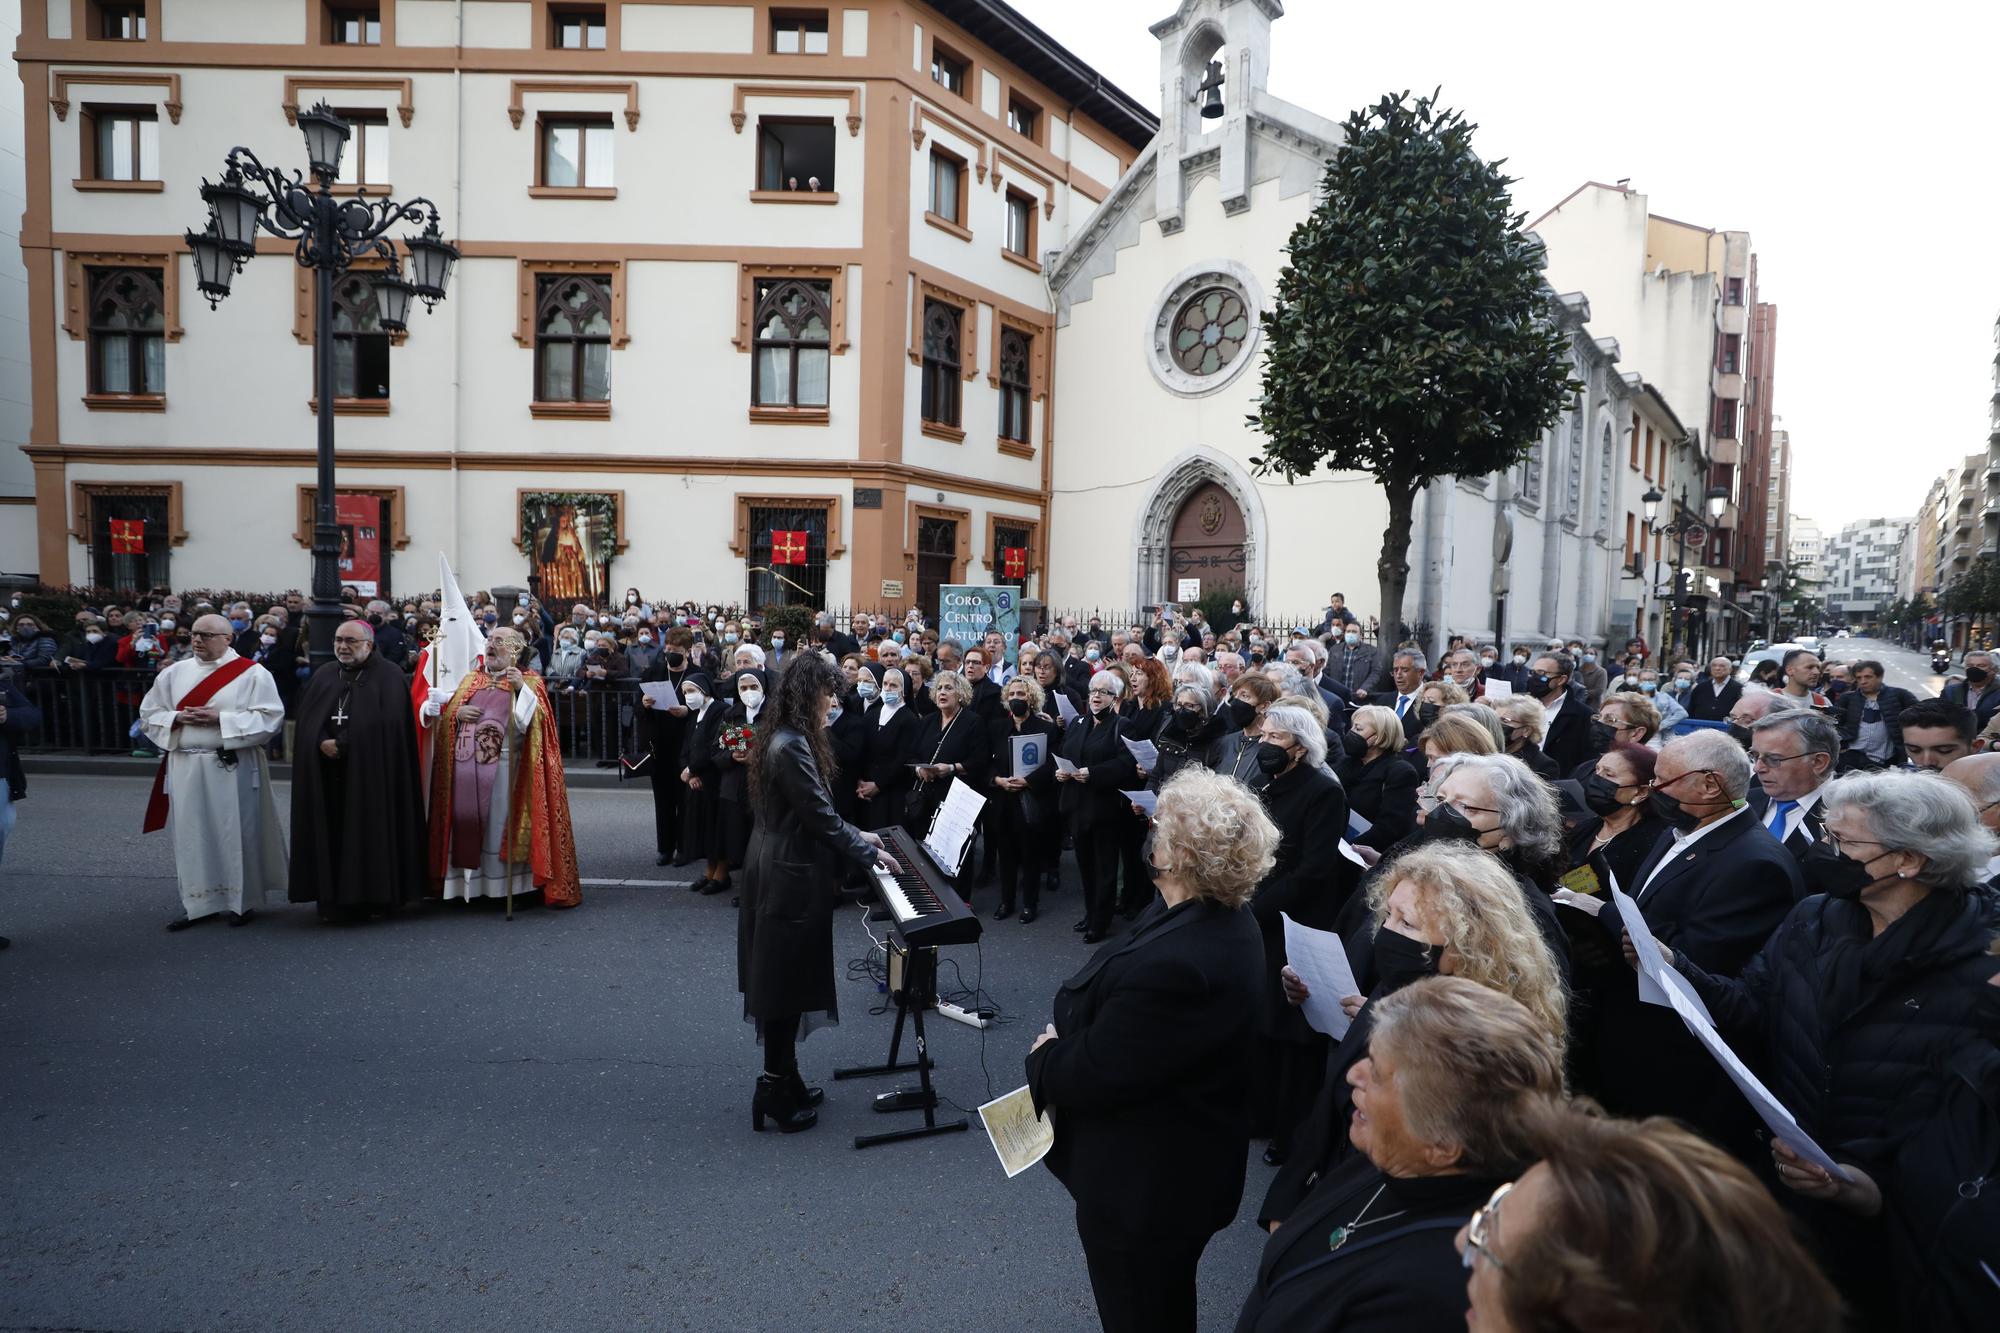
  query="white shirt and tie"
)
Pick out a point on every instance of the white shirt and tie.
point(1406, 705)
point(1683, 841)
point(1784, 818)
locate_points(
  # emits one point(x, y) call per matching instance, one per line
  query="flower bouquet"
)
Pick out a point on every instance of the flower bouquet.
point(737, 740)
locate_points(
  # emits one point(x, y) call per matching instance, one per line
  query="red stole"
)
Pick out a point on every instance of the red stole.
point(214, 683)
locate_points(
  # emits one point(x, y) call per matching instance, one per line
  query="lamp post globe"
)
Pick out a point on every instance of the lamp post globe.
point(326, 139)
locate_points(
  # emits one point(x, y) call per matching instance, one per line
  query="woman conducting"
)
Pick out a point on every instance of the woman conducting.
point(799, 851)
point(1146, 1063)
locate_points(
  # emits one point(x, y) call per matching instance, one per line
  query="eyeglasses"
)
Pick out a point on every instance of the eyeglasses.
point(1478, 1230)
point(1661, 784)
point(1617, 725)
point(214, 634)
point(1835, 842)
point(1758, 760)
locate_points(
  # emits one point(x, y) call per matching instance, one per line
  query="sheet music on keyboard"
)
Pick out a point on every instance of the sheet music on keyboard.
point(951, 828)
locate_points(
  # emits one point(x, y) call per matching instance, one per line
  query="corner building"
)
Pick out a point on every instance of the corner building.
point(737, 279)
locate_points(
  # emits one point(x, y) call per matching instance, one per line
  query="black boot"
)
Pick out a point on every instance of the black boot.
point(776, 1097)
point(807, 1096)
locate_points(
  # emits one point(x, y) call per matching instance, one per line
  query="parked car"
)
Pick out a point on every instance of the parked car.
point(1775, 653)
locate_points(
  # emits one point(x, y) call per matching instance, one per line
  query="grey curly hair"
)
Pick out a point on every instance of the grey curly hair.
point(1212, 835)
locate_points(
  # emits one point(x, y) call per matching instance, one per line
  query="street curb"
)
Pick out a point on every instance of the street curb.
point(126, 766)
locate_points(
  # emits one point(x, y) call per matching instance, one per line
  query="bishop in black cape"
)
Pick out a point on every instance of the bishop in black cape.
point(358, 822)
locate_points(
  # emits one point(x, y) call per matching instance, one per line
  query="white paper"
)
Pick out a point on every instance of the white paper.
point(1347, 850)
point(1321, 962)
point(1064, 766)
point(1027, 753)
point(1651, 964)
point(1357, 827)
point(1020, 1138)
point(1583, 902)
point(1147, 753)
point(662, 692)
point(951, 829)
point(1149, 801)
point(1497, 689)
point(1064, 708)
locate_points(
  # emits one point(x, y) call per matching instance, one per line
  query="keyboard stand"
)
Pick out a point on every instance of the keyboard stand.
point(916, 993)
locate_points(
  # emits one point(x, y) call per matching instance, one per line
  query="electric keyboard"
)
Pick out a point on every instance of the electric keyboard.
point(927, 909)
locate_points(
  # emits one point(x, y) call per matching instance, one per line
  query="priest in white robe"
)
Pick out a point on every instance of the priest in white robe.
point(213, 714)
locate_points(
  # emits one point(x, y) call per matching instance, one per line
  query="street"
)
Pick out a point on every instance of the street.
point(447, 1121)
point(1900, 666)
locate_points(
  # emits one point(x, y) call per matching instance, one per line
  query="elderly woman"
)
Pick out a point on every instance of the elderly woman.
point(1526, 721)
point(886, 773)
point(1090, 798)
point(951, 745)
point(1188, 735)
point(1024, 795)
point(1623, 718)
point(1454, 1098)
point(1862, 996)
point(919, 671)
point(1617, 790)
point(1308, 883)
point(567, 659)
point(1236, 752)
point(701, 770)
point(1381, 784)
point(1495, 803)
point(1453, 733)
point(1556, 1249)
point(1446, 909)
point(1145, 1064)
point(1437, 695)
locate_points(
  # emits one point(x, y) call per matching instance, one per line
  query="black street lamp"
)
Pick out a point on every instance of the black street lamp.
point(331, 232)
point(1685, 522)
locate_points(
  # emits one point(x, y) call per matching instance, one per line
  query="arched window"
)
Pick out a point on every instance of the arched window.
point(941, 363)
point(360, 343)
point(127, 332)
point(1014, 387)
point(793, 344)
point(573, 339)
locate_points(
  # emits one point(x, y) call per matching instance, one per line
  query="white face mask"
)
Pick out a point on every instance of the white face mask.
point(519, 619)
point(695, 699)
point(167, 622)
point(645, 638)
point(631, 599)
point(95, 636)
point(569, 640)
point(750, 698)
point(268, 639)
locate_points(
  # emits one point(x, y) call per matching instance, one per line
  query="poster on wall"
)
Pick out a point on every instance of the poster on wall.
point(569, 538)
point(360, 520)
point(967, 612)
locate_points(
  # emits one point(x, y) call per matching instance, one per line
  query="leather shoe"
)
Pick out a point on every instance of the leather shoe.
point(1002, 912)
point(806, 1095)
point(1092, 936)
point(1081, 926)
point(1027, 915)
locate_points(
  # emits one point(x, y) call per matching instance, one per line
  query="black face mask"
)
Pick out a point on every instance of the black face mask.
point(1670, 809)
point(1400, 960)
point(1977, 675)
point(1273, 759)
point(1018, 707)
point(1447, 824)
point(1427, 713)
point(1242, 712)
point(1740, 734)
point(1188, 719)
point(1601, 795)
point(676, 660)
point(1829, 872)
point(1351, 742)
point(1539, 683)
point(1602, 734)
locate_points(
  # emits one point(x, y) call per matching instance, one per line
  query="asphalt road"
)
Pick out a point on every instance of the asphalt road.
point(452, 1122)
point(1911, 670)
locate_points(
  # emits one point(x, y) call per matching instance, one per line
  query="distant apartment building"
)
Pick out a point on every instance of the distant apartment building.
point(1863, 567)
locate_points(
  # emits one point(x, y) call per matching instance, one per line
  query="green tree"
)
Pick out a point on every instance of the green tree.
point(1410, 336)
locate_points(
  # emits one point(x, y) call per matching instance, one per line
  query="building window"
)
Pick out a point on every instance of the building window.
point(121, 143)
point(1020, 225)
point(937, 559)
point(1725, 419)
point(1024, 117)
point(576, 153)
point(792, 347)
point(128, 344)
point(948, 71)
point(360, 343)
point(1010, 555)
point(573, 339)
point(121, 23)
point(795, 155)
point(366, 161)
point(131, 538)
point(1631, 538)
point(1731, 360)
point(792, 543)
point(798, 32)
point(947, 187)
point(943, 326)
point(577, 27)
point(1732, 291)
point(354, 25)
point(1014, 386)
point(1210, 331)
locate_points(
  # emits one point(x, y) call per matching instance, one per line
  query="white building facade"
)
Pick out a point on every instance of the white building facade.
point(1863, 563)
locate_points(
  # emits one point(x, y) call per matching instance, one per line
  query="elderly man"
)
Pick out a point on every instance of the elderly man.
point(1229, 665)
point(997, 669)
point(1753, 703)
point(1935, 733)
point(1978, 691)
point(1567, 741)
point(1716, 693)
point(1795, 753)
point(1715, 887)
point(1979, 774)
point(1407, 668)
point(213, 714)
point(358, 832)
point(1461, 668)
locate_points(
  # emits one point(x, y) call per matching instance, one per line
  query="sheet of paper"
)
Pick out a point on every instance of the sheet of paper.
point(1357, 826)
point(661, 692)
point(1020, 1138)
point(1650, 962)
point(1347, 850)
point(1064, 766)
point(951, 828)
point(1582, 902)
point(1497, 689)
point(1149, 801)
point(1783, 1125)
point(1028, 752)
point(1064, 708)
point(1321, 961)
point(1147, 753)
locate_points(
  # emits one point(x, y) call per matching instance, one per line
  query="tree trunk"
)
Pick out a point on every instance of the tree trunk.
point(1392, 567)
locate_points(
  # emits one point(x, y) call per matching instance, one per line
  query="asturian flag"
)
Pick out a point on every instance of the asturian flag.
point(458, 648)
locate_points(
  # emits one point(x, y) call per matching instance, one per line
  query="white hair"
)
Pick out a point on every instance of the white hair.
point(1919, 812)
point(1304, 728)
point(1717, 752)
point(1197, 675)
point(1109, 681)
point(756, 653)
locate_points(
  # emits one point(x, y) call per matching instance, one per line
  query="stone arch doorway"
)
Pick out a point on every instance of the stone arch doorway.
point(1202, 520)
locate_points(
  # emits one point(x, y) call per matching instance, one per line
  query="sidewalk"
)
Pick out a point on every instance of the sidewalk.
point(585, 776)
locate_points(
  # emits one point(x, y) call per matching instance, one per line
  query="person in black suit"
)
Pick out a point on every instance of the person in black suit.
point(700, 768)
point(1714, 889)
point(891, 728)
point(952, 744)
point(1794, 752)
point(1978, 691)
point(1381, 784)
point(1715, 693)
point(1147, 1061)
point(1024, 799)
point(798, 854)
point(1870, 734)
point(665, 726)
point(1568, 740)
point(1090, 798)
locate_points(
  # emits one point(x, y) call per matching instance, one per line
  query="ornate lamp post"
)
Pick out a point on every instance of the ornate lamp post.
point(1685, 523)
point(331, 232)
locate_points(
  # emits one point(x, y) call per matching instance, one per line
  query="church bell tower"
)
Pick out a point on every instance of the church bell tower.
point(1215, 61)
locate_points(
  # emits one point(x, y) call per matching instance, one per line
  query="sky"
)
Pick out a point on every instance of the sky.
point(1856, 144)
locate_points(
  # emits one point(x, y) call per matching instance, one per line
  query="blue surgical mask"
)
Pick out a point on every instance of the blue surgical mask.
point(1352, 636)
point(1092, 655)
point(730, 637)
point(865, 687)
point(898, 636)
point(833, 714)
point(238, 623)
point(1648, 686)
point(892, 697)
point(777, 641)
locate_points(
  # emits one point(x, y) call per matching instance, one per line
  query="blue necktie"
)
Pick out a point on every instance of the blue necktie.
point(1780, 811)
point(1402, 707)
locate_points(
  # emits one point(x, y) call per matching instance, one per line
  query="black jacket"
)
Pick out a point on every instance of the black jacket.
point(1147, 1076)
point(1705, 703)
point(1539, 763)
point(1989, 702)
point(1309, 882)
point(965, 742)
point(1893, 700)
point(1034, 805)
point(1567, 741)
point(1095, 742)
point(799, 851)
point(1941, 1221)
point(1382, 791)
point(22, 718)
point(1714, 903)
point(1810, 829)
point(1400, 1275)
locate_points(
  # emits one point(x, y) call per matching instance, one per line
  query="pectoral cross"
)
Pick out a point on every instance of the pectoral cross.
point(340, 714)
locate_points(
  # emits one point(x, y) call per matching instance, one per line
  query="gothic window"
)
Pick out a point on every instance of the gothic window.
point(1573, 466)
point(786, 567)
point(792, 344)
point(1014, 387)
point(1531, 472)
point(942, 329)
point(572, 339)
point(360, 343)
point(1209, 331)
point(1604, 481)
point(127, 332)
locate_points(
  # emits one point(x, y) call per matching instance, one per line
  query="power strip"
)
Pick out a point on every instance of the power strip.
point(959, 1014)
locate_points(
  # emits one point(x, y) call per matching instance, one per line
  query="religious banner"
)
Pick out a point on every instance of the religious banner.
point(787, 547)
point(569, 538)
point(1013, 562)
point(128, 536)
point(360, 520)
point(966, 612)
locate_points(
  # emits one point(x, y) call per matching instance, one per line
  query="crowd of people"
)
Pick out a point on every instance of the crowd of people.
point(1812, 851)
